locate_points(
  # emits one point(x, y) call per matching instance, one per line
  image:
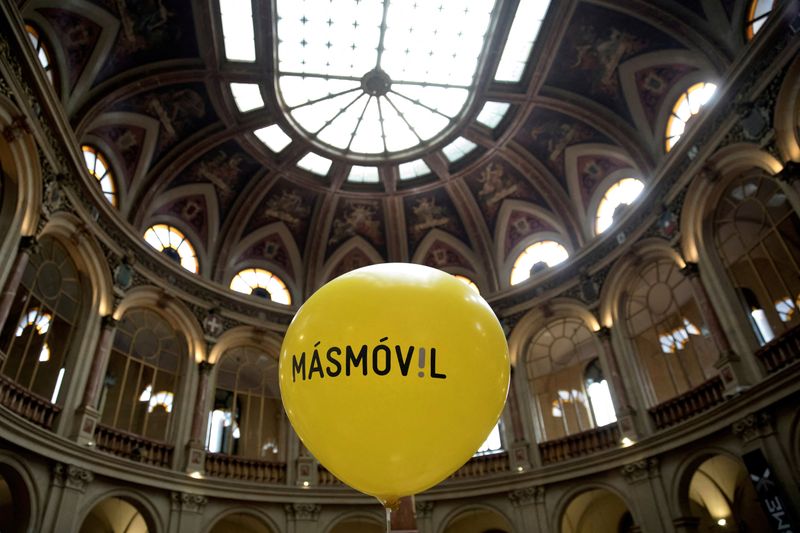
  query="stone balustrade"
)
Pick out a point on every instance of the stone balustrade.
point(781, 351)
point(26, 404)
point(244, 469)
point(580, 444)
point(133, 447)
point(699, 399)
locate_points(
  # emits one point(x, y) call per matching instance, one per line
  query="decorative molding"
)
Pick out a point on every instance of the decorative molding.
point(424, 510)
point(189, 503)
point(526, 496)
point(752, 426)
point(303, 511)
point(641, 470)
point(71, 477)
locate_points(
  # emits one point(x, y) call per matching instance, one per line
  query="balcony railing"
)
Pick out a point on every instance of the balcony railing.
point(688, 404)
point(326, 479)
point(484, 465)
point(26, 404)
point(781, 351)
point(244, 469)
point(580, 444)
point(132, 447)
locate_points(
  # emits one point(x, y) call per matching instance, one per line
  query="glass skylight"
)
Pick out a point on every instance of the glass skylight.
point(524, 30)
point(247, 96)
point(363, 175)
point(623, 192)
point(41, 52)
point(315, 163)
point(687, 106)
point(373, 78)
point(237, 29)
point(492, 113)
point(413, 169)
point(274, 137)
point(261, 283)
point(172, 243)
point(542, 254)
point(98, 167)
point(458, 149)
point(757, 15)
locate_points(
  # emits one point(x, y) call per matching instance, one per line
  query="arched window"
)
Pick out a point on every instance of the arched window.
point(757, 15)
point(599, 395)
point(140, 388)
point(757, 235)
point(45, 58)
point(619, 196)
point(560, 379)
point(471, 284)
point(686, 107)
point(667, 330)
point(535, 258)
point(98, 167)
point(172, 243)
point(42, 321)
point(247, 417)
point(261, 283)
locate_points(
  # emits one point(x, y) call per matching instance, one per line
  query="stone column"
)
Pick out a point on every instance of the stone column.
point(68, 485)
point(404, 518)
point(27, 246)
point(519, 447)
point(196, 452)
point(729, 364)
point(87, 414)
point(425, 516)
point(626, 414)
point(302, 517)
point(530, 509)
point(651, 512)
point(186, 512)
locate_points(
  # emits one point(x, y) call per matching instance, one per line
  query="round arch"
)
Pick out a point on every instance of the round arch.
point(252, 517)
point(787, 115)
point(134, 498)
point(22, 496)
point(679, 484)
point(452, 518)
point(173, 309)
point(564, 503)
point(338, 523)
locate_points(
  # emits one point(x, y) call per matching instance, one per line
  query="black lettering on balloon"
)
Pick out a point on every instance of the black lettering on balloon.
point(404, 364)
point(299, 367)
point(433, 366)
point(351, 360)
point(335, 362)
point(387, 357)
point(316, 364)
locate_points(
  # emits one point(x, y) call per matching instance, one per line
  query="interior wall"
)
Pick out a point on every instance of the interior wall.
point(594, 511)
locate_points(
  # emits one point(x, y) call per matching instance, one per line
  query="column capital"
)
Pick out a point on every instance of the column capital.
point(109, 322)
point(303, 511)
point(204, 367)
point(790, 172)
point(186, 502)
point(641, 470)
point(526, 496)
point(604, 332)
point(752, 426)
point(71, 476)
point(424, 509)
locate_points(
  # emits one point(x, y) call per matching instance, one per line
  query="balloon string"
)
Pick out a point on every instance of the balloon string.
point(388, 520)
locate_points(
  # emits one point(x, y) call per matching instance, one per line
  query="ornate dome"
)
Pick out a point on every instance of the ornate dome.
point(618, 179)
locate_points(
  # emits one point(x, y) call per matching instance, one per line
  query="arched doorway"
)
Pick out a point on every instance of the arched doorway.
point(115, 515)
point(15, 504)
point(479, 520)
point(359, 524)
point(596, 511)
point(722, 496)
point(240, 523)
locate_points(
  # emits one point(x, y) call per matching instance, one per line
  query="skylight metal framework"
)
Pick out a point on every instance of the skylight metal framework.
point(378, 78)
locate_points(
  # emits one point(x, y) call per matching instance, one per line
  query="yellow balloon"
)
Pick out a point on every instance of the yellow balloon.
point(393, 375)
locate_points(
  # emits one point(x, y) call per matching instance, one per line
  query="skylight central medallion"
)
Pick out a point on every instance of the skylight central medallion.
point(378, 78)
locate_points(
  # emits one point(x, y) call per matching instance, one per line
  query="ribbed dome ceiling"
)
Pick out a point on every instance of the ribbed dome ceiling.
point(186, 131)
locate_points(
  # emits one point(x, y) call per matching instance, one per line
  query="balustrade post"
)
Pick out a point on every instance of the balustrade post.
point(26, 248)
point(729, 364)
point(87, 414)
point(196, 451)
point(626, 414)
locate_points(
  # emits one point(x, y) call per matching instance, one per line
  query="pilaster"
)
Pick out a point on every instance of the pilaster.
point(530, 510)
point(649, 498)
